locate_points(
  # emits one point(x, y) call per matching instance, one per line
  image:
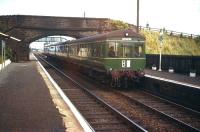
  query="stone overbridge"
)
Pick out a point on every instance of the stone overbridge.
point(30, 28)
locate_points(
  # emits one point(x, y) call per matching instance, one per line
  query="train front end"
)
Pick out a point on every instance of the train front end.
point(125, 61)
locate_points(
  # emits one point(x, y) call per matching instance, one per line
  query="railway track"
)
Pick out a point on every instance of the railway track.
point(100, 115)
point(153, 114)
point(150, 119)
point(182, 116)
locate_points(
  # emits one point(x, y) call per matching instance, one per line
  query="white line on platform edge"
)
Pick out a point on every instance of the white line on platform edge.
point(173, 81)
point(76, 113)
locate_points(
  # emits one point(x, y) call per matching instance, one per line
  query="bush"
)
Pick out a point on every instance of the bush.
point(8, 53)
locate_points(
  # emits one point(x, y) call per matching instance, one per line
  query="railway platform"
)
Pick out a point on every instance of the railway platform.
point(174, 78)
point(178, 88)
point(29, 102)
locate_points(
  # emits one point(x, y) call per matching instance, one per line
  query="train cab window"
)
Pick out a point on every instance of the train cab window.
point(111, 52)
point(127, 50)
point(112, 49)
point(138, 51)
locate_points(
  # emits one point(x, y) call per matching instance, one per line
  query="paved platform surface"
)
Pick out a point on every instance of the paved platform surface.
point(173, 76)
point(29, 102)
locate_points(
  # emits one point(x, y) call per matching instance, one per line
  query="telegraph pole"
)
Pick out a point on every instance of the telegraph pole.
point(138, 6)
point(161, 44)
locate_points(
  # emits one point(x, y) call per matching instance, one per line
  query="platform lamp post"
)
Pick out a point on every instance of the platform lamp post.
point(138, 17)
point(3, 53)
point(161, 43)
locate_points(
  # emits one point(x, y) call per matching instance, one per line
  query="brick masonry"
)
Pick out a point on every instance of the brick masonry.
point(30, 28)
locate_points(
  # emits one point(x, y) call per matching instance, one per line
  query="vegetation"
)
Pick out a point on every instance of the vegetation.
point(197, 40)
point(8, 54)
point(119, 24)
point(172, 45)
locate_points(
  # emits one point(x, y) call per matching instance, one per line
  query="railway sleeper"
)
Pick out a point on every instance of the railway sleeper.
point(105, 120)
point(96, 115)
point(109, 126)
point(89, 109)
point(99, 116)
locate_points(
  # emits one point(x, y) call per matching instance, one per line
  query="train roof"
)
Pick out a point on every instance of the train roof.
point(126, 33)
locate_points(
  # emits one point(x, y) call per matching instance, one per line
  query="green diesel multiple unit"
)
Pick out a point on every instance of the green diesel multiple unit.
point(114, 55)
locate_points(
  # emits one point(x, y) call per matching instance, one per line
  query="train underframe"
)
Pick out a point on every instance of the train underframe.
point(116, 79)
point(125, 79)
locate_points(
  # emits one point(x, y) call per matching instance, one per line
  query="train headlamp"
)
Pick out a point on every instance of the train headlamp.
point(126, 34)
point(110, 69)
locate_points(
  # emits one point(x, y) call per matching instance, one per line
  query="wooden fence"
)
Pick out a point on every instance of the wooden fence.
point(170, 32)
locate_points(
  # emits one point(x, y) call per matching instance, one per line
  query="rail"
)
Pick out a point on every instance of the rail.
point(181, 123)
point(123, 117)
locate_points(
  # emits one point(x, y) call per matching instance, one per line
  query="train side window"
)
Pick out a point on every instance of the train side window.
point(98, 50)
point(93, 50)
point(101, 49)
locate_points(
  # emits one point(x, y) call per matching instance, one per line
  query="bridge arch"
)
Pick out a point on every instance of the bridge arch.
point(30, 28)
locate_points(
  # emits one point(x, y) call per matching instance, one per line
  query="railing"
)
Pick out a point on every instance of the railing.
point(170, 32)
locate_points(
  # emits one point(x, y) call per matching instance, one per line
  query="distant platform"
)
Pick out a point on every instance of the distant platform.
point(181, 79)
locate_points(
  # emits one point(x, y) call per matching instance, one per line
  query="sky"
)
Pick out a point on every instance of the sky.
point(177, 15)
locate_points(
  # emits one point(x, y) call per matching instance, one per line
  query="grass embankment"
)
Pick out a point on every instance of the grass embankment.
point(172, 45)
